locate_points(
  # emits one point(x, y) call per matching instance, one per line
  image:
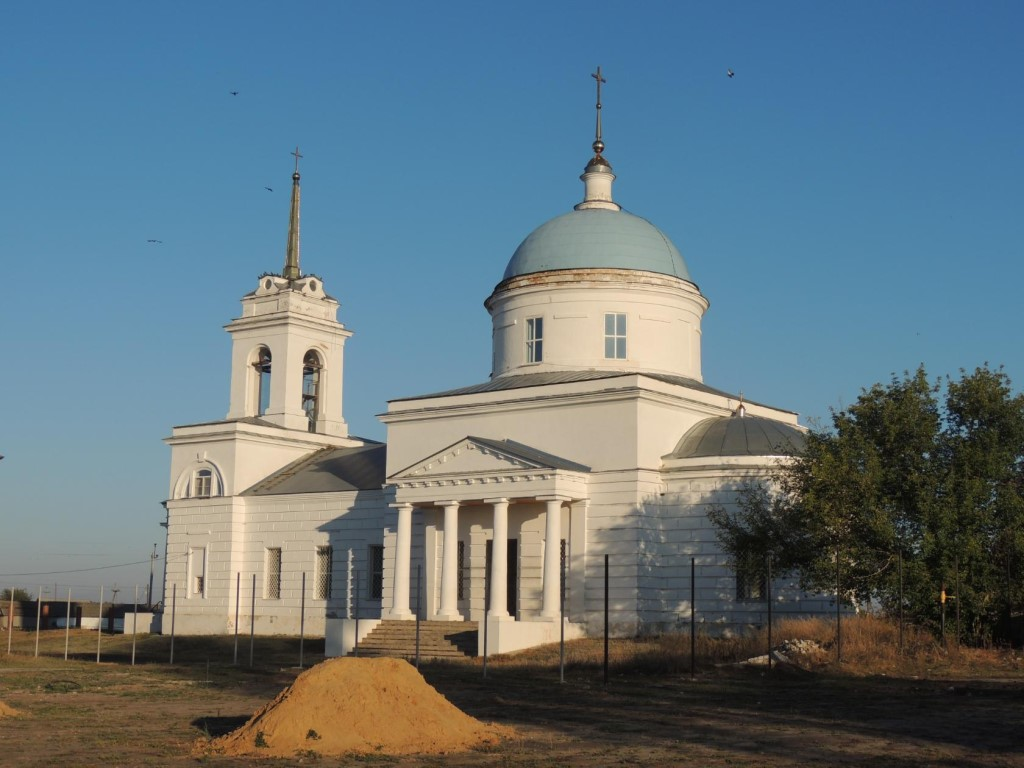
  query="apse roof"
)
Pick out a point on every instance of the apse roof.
point(328, 470)
point(738, 435)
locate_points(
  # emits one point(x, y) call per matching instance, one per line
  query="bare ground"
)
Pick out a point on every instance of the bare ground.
point(112, 714)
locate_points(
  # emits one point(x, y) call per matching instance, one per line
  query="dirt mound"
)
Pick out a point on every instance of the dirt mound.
point(6, 711)
point(345, 705)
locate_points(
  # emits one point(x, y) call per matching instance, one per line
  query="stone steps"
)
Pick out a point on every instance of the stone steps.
point(438, 639)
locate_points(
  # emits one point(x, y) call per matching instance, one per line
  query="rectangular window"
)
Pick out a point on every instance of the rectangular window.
point(461, 570)
point(272, 574)
point(376, 572)
point(322, 575)
point(204, 483)
point(534, 339)
point(615, 336)
point(751, 581)
point(197, 571)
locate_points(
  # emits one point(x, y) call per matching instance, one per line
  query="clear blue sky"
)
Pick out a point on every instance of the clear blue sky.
point(851, 202)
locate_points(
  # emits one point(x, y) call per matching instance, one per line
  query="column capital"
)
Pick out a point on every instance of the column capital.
point(401, 505)
point(554, 497)
point(452, 503)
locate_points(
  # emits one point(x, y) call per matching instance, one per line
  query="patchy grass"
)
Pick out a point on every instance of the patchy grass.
point(927, 706)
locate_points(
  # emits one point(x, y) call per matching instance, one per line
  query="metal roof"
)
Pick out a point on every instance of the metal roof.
point(328, 470)
point(531, 454)
point(502, 383)
point(597, 237)
point(739, 436)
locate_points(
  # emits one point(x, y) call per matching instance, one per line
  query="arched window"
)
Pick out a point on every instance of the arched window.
point(311, 387)
point(203, 485)
point(262, 367)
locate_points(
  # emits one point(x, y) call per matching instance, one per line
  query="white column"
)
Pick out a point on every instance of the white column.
point(449, 610)
point(403, 554)
point(499, 559)
point(552, 558)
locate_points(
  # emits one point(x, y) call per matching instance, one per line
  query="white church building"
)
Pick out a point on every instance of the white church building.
point(594, 437)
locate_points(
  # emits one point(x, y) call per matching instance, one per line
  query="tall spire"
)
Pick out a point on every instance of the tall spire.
point(597, 177)
point(291, 257)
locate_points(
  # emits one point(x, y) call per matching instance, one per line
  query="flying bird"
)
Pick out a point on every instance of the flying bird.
point(154, 241)
point(268, 189)
point(233, 93)
point(730, 73)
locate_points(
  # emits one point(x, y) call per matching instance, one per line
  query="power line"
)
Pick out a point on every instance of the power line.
point(76, 570)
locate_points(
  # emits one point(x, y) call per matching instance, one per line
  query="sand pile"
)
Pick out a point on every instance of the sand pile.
point(358, 705)
point(6, 711)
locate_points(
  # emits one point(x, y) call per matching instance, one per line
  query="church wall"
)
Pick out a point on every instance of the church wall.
point(244, 454)
point(236, 532)
point(612, 529)
point(200, 544)
point(677, 529)
point(596, 433)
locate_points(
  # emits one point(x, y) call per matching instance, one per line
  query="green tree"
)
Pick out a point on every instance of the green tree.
point(901, 475)
point(978, 541)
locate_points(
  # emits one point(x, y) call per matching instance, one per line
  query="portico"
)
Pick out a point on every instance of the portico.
point(467, 503)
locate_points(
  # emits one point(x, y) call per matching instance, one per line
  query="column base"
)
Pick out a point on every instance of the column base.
point(456, 616)
point(401, 616)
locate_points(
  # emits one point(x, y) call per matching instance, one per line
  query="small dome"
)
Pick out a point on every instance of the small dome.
point(597, 238)
point(739, 436)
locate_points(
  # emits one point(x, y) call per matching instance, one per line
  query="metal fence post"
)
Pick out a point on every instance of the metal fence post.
point(67, 626)
point(39, 615)
point(606, 619)
point(355, 649)
point(561, 619)
point(302, 620)
point(174, 608)
point(900, 554)
point(768, 590)
point(99, 629)
point(693, 617)
point(487, 610)
point(10, 623)
point(238, 598)
point(252, 623)
point(419, 609)
point(839, 617)
point(135, 622)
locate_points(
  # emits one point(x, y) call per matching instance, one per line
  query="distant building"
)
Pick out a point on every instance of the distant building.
point(594, 435)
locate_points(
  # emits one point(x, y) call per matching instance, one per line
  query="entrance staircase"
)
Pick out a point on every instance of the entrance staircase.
point(438, 640)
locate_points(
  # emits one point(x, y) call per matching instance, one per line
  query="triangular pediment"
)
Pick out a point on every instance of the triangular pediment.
point(473, 456)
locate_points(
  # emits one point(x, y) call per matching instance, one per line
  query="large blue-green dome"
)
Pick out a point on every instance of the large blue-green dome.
point(597, 238)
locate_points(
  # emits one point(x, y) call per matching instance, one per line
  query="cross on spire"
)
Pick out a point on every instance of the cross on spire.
point(291, 256)
point(598, 144)
point(298, 156)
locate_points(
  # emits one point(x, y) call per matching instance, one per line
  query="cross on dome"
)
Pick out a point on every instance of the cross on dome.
point(598, 143)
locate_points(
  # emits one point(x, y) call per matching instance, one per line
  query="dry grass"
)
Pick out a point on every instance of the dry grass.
point(876, 708)
point(870, 646)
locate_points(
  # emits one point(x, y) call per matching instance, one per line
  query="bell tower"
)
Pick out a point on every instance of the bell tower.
point(287, 358)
